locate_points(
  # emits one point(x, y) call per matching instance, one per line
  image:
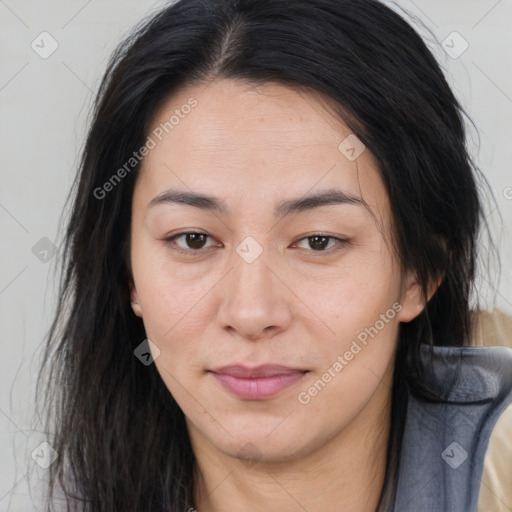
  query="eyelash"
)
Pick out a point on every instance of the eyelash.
point(341, 242)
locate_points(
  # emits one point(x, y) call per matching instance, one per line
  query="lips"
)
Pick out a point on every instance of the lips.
point(257, 383)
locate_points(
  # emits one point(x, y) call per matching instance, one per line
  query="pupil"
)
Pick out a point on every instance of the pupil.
point(192, 241)
point(316, 240)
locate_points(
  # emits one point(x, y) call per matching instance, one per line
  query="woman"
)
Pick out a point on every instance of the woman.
point(270, 257)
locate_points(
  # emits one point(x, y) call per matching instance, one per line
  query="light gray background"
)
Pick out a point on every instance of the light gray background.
point(44, 107)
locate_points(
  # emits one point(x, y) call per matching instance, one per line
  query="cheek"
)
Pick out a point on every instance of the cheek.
point(172, 310)
point(167, 292)
point(177, 310)
point(362, 311)
point(359, 295)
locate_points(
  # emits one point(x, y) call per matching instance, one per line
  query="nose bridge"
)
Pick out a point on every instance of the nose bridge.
point(253, 300)
point(251, 281)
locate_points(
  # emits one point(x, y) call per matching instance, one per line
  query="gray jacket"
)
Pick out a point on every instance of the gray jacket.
point(445, 443)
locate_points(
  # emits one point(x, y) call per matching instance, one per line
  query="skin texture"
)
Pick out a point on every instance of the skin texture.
point(293, 305)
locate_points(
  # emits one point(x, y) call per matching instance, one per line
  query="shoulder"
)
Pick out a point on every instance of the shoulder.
point(495, 329)
point(445, 440)
point(496, 486)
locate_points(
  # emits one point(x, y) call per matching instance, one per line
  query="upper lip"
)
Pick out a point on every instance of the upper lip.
point(266, 370)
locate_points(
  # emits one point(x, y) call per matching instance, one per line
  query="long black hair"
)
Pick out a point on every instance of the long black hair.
point(121, 438)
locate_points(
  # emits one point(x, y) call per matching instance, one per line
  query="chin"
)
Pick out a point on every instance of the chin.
point(252, 443)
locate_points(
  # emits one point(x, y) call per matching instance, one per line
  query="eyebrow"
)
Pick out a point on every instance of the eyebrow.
point(282, 209)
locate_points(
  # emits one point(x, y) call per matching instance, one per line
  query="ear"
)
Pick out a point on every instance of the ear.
point(135, 302)
point(412, 300)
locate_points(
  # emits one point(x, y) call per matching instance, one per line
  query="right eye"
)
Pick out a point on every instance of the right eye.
point(194, 242)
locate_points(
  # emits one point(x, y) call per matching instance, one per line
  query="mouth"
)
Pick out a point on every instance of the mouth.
point(257, 383)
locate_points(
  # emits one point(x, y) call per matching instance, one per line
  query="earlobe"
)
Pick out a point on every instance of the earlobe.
point(135, 304)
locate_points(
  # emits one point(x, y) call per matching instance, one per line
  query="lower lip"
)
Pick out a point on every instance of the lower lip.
point(258, 388)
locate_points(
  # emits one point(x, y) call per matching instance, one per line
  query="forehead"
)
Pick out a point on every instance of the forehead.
point(261, 141)
point(267, 118)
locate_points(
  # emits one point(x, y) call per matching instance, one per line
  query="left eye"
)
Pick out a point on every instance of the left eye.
point(320, 243)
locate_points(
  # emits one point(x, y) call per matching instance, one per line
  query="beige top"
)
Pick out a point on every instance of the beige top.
point(496, 489)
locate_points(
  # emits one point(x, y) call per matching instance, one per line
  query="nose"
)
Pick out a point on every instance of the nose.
point(255, 299)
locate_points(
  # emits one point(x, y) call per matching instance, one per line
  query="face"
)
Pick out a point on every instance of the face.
point(275, 316)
